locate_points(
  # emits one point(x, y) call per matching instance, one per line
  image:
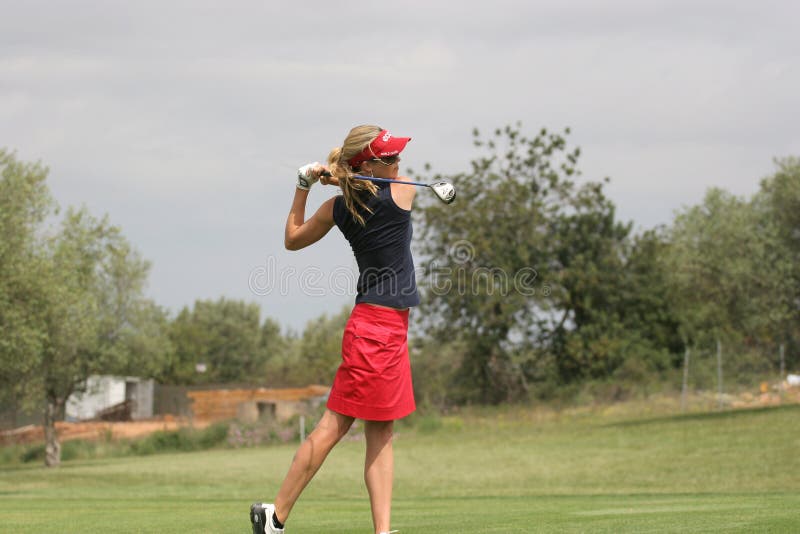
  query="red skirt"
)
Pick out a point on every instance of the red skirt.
point(374, 379)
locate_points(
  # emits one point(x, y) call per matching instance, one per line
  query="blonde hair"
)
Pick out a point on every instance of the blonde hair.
point(353, 189)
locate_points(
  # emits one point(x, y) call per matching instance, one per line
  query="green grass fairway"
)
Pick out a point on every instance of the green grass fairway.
point(500, 471)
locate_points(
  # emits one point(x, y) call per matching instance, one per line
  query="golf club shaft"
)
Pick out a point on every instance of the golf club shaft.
point(383, 180)
point(443, 190)
point(388, 180)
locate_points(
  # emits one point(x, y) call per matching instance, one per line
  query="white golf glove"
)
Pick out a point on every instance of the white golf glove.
point(305, 178)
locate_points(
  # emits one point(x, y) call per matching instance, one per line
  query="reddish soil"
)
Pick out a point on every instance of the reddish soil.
point(208, 406)
point(98, 430)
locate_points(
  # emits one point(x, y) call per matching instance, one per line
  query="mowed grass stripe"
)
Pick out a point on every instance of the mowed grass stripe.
point(696, 513)
point(490, 473)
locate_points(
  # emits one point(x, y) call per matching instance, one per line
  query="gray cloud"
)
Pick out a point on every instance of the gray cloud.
point(184, 120)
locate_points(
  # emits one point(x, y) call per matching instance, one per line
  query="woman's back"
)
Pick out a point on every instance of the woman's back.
point(382, 248)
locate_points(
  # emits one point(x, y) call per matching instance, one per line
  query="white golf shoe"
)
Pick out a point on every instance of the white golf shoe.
point(261, 519)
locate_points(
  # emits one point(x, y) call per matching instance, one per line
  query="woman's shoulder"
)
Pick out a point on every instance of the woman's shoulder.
point(403, 195)
point(338, 208)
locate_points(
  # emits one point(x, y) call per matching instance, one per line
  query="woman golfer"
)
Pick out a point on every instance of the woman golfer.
point(373, 382)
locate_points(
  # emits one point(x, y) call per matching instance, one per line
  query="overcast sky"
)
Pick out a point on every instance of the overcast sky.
point(184, 120)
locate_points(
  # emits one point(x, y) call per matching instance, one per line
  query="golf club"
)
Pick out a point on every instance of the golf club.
point(444, 190)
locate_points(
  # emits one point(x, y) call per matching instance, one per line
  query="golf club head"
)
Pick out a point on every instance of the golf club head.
point(445, 191)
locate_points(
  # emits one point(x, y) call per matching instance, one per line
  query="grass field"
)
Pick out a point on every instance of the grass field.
point(497, 471)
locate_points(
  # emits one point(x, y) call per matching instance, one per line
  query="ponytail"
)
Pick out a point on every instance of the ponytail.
point(353, 189)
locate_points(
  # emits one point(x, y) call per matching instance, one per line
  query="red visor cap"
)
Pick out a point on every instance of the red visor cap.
point(382, 146)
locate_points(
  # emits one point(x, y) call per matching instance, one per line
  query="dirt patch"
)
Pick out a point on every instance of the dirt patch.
point(207, 406)
point(779, 395)
point(99, 430)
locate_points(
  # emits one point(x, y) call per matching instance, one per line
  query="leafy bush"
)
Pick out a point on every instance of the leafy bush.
point(185, 439)
point(78, 450)
point(213, 435)
point(182, 440)
point(34, 453)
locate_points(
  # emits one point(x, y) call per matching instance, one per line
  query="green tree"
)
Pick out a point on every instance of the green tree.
point(778, 205)
point(589, 254)
point(313, 356)
point(780, 194)
point(95, 314)
point(319, 349)
point(728, 273)
point(648, 307)
point(71, 301)
point(275, 349)
point(25, 203)
point(523, 275)
point(227, 337)
point(649, 318)
point(433, 361)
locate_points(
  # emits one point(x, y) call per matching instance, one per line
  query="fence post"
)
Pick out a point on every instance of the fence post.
point(719, 374)
point(783, 364)
point(685, 386)
point(302, 428)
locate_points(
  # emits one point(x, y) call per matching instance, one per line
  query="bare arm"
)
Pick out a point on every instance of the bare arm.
point(403, 195)
point(301, 233)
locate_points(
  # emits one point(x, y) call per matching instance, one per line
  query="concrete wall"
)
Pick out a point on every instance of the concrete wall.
point(222, 404)
point(141, 393)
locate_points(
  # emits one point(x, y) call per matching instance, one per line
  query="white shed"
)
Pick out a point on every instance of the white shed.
point(104, 391)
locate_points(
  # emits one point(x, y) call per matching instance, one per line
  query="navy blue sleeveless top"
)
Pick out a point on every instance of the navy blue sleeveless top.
point(382, 248)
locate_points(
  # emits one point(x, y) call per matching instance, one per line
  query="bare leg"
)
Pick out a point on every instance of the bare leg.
point(379, 471)
point(308, 459)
